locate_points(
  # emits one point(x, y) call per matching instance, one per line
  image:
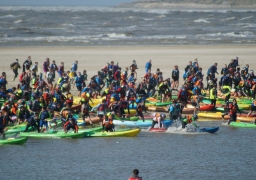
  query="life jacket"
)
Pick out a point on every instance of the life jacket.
point(44, 115)
point(139, 108)
point(46, 96)
point(183, 93)
point(102, 107)
point(107, 123)
point(135, 178)
point(232, 108)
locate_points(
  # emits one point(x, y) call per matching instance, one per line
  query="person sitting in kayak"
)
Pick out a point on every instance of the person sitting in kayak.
point(139, 110)
point(43, 116)
point(233, 111)
point(107, 124)
point(71, 124)
point(32, 122)
point(135, 175)
point(158, 119)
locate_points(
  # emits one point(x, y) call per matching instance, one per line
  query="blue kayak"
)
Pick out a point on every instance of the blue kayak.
point(209, 129)
point(139, 123)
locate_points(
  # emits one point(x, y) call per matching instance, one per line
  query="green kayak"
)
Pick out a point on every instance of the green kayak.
point(14, 141)
point(18, 130)
point(133, 118)
point(163, 103)
point(53, 134)
point(221, 109)
point(125, 133)
point(242, 124)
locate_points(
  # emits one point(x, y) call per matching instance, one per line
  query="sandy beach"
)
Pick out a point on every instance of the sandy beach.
point(93, 59)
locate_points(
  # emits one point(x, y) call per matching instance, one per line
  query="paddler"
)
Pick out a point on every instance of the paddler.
point(233, 111)
point(158, 119)
point(173, 111)
point(32, 122)
point(43, 116)
point(253, 107)
point(135, 175)
point(2, 124)
point(139, 110)
point(213, 96)
point(189, 120)
point(107, 124)
point(85, 109)
point(71, 124)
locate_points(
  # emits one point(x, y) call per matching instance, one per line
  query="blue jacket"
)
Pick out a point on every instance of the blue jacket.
point(74, 67)
point(148, 65)
point(79, 80)
point(212, 69)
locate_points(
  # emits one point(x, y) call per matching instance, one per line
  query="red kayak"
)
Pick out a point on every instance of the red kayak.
point(157, 130)
point(207, 107)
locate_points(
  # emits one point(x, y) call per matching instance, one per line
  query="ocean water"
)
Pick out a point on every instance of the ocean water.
point(228, 154)
point(110, 26)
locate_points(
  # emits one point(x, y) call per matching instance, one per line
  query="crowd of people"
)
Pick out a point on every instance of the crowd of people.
point(36, 96)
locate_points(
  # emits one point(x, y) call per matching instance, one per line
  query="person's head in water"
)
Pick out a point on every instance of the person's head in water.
point(136, 172)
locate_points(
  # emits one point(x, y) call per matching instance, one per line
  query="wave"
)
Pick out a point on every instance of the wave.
point(246, 18)
point(201, 21)
point(114, 35)
point(230, 18)
point(18, 21)
point(230, 34)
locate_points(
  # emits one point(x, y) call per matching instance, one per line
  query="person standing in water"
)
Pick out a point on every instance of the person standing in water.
point(135, 175)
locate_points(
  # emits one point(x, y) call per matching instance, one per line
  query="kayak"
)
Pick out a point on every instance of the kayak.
point(133, 118)
point(188, 111)
point(218, 116)
point(157, 109)
point(221, 109)
point(207, 107)
point(139, 123)
point(242, 124)
point(128, 133)
point(14, 141)
point(132, 111)
point(163, 103)
point(53, 134)
point(209, 129)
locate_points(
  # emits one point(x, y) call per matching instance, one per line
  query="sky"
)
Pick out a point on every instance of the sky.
point(62, 2)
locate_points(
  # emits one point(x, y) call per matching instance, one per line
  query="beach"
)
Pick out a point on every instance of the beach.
point(93, 59)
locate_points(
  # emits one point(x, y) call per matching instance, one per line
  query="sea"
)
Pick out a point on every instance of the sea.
point(228, 154)
point(112, 26)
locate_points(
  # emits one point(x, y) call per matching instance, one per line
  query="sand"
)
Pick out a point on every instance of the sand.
point(93, 59)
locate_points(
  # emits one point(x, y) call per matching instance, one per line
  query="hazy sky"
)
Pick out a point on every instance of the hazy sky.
point(62, 2)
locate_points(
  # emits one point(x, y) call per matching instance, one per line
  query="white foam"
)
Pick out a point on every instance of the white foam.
point(115, 35)
point(18, 21)
point(246, 18)
point(201, 21)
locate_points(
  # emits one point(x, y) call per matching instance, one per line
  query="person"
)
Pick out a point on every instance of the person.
point(107, 124)
point(158, 118)
point(213, 96)
point(26, 65)
point(46, 65)
point(253, 107)
point(22, 114)
point(15, 66)
point(34, 70)
point(175, 77)
point(135, 175)
point(85, 109)
point(189, 120)
point(2, 124)
point(32, 122)
point(163, 89)
point(54, 68)
point(233, 111)
point(70, 124)
point(43, 116)
point(73, 70)
point(212, 70)
point(226, 93)
point(173, 111)
point(61, 69)
point(79, 80)
point(139, 110)
point(148, 66)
